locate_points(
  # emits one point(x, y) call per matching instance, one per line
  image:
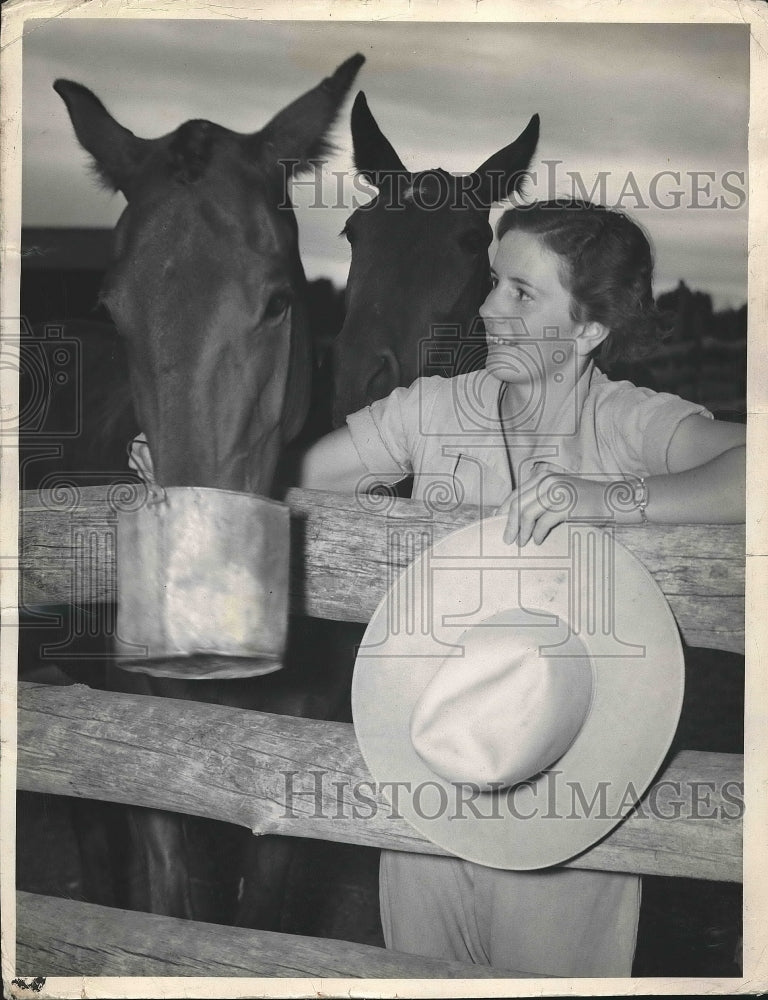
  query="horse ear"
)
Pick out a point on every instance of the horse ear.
point(501, 174)
point(116, 151)
point(374, 153)
point(297, 134)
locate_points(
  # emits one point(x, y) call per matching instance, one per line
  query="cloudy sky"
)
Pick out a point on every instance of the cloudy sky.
point(659, 111)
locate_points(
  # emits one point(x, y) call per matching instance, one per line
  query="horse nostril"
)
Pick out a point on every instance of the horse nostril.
point(385, 378)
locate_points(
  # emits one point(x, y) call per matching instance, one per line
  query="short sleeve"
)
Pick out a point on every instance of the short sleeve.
point(387, 434)
point(639, 424)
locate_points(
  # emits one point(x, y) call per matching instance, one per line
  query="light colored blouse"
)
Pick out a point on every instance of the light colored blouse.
point(448, 432)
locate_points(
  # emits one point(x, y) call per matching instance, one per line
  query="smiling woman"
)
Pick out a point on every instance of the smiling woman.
point(544, 432)
point(574, 273)
point(650, 117)
point(588, 266)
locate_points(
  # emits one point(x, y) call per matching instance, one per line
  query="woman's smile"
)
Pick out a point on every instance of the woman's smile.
point(492, 338)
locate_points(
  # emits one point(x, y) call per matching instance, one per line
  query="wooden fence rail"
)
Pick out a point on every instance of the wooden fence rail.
point(342, 560)
point(101, 745)
point(76, 741)
point(65, 938)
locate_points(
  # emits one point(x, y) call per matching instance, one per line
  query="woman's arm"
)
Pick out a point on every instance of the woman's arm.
point(331, 463)
point(697, 440)
point(707, 481)
point(707, 486)
point(712, 493)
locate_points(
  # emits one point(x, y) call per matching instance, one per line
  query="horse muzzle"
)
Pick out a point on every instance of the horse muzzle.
point(202, 584)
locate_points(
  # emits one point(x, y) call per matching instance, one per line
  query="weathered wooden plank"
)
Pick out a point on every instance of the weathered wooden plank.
point(306, 778)
point(342, 556)
point(61, 937)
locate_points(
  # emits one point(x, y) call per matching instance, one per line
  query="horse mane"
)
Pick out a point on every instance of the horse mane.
point(190, 150)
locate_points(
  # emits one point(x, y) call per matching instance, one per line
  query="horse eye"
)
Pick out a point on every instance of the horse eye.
point(475, 241)
point(277, 304)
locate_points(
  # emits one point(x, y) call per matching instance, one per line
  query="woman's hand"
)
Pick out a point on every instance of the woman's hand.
point(711, 493)
point(549, 498)
point(140, 460)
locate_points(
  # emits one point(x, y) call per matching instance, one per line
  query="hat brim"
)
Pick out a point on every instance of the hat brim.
point(582, 581)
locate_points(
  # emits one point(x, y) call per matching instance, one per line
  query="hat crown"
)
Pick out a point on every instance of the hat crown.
point(506, 709)
point(582, 587)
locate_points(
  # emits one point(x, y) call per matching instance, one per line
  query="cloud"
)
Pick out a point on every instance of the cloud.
point(616, 98)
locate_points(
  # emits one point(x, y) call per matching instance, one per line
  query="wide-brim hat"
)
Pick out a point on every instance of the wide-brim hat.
point(580, 600)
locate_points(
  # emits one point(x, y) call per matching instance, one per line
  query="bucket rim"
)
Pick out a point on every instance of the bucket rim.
point(163, 492)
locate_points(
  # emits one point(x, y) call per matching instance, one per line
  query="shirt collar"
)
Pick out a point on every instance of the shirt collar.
point(477, 408)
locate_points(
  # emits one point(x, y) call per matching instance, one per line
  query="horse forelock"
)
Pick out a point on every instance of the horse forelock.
point(429, 183)
point(191, 149)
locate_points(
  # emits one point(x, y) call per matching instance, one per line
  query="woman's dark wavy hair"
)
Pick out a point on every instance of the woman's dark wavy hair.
point(607, 266)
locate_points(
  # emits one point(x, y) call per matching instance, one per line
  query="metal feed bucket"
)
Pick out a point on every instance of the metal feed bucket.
point(202, 584)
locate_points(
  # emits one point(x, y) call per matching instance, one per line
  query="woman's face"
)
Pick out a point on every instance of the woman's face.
point(526, 311)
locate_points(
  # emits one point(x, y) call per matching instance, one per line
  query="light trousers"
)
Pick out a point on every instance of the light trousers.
point(556, 921)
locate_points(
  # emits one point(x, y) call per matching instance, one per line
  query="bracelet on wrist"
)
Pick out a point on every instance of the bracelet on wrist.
point(641, 498)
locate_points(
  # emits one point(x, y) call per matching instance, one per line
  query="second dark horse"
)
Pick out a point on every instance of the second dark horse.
point(419, 268)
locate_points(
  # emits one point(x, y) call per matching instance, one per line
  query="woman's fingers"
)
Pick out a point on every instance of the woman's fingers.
point(530, 516)
point(537, 507)
point(140, 459)
point(523, 508)
point(546, 523)
point(556, 499)
point(519, 508)
point(510, 528)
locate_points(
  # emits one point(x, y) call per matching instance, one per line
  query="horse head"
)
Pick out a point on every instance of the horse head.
point(206, 286)
point(419, 262)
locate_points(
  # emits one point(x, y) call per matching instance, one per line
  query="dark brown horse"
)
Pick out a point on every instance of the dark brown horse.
point(419, 265)
point(208, 294)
